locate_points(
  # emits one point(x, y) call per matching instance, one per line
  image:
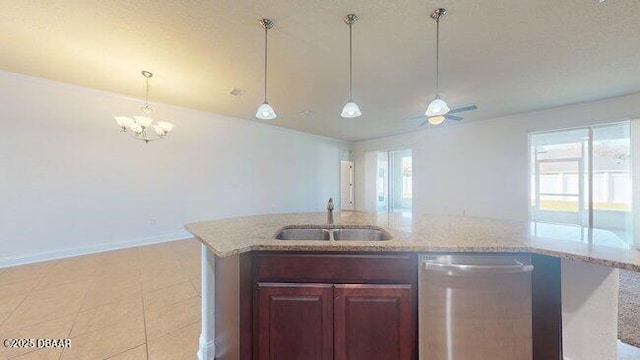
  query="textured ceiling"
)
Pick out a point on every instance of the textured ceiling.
point(506, 56)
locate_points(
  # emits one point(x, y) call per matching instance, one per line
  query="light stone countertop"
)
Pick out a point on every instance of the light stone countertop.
point(428, 233)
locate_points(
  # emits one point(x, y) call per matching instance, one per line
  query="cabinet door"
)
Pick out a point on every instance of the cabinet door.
point(374, 322)
point(294, 321)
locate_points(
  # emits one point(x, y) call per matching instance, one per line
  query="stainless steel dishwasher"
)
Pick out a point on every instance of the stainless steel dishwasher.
point(475, 307)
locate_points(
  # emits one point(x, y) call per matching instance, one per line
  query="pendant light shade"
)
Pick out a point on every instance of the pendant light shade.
point(350, 109)
point(265, 111)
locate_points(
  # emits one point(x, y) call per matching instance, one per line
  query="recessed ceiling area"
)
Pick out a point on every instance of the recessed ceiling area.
point(505, 56)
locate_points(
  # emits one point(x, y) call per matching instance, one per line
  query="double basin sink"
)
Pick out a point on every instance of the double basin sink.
point(333, 233)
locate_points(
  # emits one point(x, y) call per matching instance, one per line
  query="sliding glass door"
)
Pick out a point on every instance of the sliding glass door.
point(582, 177)
point(394, 187)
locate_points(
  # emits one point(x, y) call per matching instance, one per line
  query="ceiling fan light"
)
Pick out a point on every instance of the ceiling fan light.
point(436, 120)
point(266, 112)
point(351, 110)
point(437, 107)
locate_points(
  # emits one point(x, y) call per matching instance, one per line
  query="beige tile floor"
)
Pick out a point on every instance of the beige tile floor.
point(138, 303)
point(132, 304)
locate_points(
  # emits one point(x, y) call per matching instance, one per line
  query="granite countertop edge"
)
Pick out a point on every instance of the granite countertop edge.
point(428, 234)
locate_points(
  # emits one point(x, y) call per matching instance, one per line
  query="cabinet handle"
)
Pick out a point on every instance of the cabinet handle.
point(452, 269)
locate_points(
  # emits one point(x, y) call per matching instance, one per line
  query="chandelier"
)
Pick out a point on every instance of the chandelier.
point(139, 126)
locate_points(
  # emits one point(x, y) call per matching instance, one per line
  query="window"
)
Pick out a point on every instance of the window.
point(582, 178)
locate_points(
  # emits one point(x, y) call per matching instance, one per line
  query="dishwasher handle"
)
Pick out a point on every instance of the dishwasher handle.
point(456, 269)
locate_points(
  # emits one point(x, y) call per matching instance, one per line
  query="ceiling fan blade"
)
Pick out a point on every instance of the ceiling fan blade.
point(414, 117)
point(453, 117)
point(464, 108)
point(423, 123)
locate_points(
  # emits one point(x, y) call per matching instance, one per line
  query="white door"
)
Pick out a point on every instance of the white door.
point(346, 185)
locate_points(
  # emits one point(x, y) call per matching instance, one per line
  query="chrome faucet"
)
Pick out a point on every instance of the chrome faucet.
point(330, 211)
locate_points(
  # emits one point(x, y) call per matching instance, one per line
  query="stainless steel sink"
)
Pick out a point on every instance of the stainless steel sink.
point(367, 234)
point(303, 234)
point(333, 233)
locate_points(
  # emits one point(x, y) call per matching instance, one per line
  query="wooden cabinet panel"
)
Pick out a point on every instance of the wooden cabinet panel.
point(374, 322)
point(337, 268)
point(294, 321)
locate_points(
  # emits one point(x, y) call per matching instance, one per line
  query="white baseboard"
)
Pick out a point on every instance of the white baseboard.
point(60, 254)
point(207, 350)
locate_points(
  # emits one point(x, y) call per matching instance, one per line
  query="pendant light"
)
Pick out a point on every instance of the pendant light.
point(265, 111)
point(350, 109)
point(138, 126)
point(437, 108)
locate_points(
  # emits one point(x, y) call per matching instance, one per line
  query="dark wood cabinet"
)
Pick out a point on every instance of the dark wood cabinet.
point(374, 322)
point(295, 321)
point(334, 306)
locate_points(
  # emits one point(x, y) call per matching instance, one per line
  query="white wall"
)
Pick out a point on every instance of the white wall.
point(480, 168)
point(72, 183)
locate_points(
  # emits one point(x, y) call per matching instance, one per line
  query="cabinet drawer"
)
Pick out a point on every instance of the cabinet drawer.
point(336, 268)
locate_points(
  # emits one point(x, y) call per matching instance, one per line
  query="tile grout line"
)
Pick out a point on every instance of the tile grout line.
point(176, 329)
point(190, 279)
point(84, 296)
point(122, 352)
point(33, 289)
point(15, 309)
point(144, 314)
point(38, 323)
point(42, 276)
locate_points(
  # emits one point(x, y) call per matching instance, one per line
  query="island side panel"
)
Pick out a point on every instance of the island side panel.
point(589, 311)
point(227, 308)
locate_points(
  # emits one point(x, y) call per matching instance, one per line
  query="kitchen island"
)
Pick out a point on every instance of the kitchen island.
point(226, 240)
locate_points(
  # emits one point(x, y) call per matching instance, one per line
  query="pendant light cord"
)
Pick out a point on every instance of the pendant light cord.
point(265, 63)
point(350, 64)
point(438, 57)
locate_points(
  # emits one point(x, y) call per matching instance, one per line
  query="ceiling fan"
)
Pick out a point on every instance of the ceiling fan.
point(447, 116)
point(438, 110)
